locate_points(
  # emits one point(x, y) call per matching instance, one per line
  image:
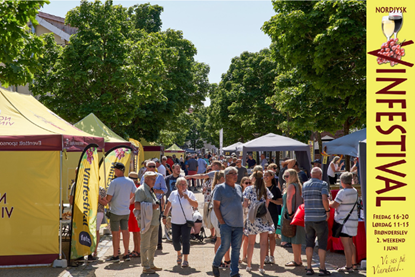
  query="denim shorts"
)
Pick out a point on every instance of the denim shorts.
point(318, 229)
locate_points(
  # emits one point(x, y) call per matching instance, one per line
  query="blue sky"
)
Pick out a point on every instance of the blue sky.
point(220, 30)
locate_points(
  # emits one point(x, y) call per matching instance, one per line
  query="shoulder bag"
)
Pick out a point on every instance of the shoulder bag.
point(287, 229)
point(190, 223)
point(337, 227)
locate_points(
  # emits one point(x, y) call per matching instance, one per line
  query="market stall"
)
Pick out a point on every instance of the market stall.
point(233, 148)
point(175, 150)
point(151, 149)
point(34, 143)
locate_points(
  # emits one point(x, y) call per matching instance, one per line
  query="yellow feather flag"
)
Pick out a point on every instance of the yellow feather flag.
point(84, 210)
point(118, 154)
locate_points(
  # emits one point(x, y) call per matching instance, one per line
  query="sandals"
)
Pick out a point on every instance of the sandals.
point(309, 271)
point(355, 266)
point(179, 259)
point(185, 264)
point(135, 254)
point(292, 263)
point(324, 272)
point(345, 269)
point(227, 264)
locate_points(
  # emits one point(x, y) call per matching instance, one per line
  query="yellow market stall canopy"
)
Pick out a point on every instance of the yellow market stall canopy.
point(32, 142)
point(151, 150)
point(175, 150)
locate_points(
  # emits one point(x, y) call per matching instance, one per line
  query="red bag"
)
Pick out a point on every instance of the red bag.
point(298, 218)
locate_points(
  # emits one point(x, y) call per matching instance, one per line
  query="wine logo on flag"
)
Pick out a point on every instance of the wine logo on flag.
point(392, 50)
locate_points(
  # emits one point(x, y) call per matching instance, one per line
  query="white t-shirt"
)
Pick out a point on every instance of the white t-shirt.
point(177, 216)
point(330, 171)
point(162, 170)
point(346, 198)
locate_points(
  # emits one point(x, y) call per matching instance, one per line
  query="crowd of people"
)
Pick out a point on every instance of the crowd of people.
point(237, 207)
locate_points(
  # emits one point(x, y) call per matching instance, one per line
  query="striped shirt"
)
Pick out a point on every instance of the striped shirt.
point(346, 198)
point(313, 191)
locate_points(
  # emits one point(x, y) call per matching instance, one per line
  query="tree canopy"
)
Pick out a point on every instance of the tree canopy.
point(19, 47)
point(321, 50)
point(121, 67)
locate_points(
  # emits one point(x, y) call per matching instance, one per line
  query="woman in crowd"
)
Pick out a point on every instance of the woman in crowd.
point(218, 179)
point(207, 193)
point(344, 202)
point(132, 221)
point(102, 202)
point(292, 198)
point(274, 209)
point(181, 201)
point(333, 167)
point(254, 196)
point(245, 182)
point(257, 168)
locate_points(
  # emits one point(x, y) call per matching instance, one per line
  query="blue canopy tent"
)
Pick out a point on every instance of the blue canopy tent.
point(347, 145)
point(362, 170)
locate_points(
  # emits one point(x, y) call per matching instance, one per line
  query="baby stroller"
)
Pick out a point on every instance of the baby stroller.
point(198, 232)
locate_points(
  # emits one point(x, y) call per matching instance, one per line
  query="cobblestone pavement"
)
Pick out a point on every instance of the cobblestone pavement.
point(200, 260)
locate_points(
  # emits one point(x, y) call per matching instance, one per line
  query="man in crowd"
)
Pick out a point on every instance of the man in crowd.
point(263, 161)
point(119, 193)
point(201, 168)
point(216, 166)
point(175, 160)
point(170, 162)
point(317, 212)
point(192, 167)
point(242, 171)
point(251, 162)
point(166, 166)
point(227, 206)
point(205, 157)
point(144, 194)
point(171, 180)
point(160, 168)
point(159, 189)
point(316, 163)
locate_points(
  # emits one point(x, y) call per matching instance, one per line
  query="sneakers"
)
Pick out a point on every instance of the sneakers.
point(126, 258)
point(271, 260)
point(159, 247)
point(155, 268)
point(262, 271)
point(114, 259)
point(248, 269)
point(215, 271)
point(91, 258)
point(266, 261)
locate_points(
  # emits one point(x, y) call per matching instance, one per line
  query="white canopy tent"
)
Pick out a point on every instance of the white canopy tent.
point(273, 142)
point(233, 147)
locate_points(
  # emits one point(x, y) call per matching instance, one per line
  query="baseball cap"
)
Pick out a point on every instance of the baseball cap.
point(119, 166)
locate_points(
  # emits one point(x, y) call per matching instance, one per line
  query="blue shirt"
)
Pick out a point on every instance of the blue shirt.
point(160, 184)
point(201, 163)
point(313, 191)
point(230, 204)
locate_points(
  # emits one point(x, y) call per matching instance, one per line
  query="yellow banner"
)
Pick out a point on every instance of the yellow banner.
point(29, 200)
point(84, 214)
point(311, 145)
point(390, 137)
point(119, 154)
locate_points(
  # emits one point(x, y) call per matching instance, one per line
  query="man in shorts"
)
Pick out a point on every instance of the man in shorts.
point(317, 212)
point(119, 194)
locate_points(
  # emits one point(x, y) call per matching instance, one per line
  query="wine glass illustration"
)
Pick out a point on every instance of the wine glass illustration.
point(388, 27)
point(396, 16)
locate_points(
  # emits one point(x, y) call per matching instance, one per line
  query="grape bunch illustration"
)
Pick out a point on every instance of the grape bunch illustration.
point(120, 153)
point(392, 48)
point(90, 155)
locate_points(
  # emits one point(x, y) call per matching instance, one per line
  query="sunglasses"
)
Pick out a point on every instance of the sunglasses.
point(248, 183)
point(134, 178)
point(286, 176)
point(151, 166)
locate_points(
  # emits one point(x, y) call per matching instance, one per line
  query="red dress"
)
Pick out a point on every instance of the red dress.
point(132, 221)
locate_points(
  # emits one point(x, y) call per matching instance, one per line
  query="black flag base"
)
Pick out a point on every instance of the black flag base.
point(60, 263)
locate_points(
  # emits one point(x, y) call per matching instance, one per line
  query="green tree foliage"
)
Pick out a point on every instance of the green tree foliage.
point(137, 81)
point(19, 48)
point(238, 102)
point(321, 50)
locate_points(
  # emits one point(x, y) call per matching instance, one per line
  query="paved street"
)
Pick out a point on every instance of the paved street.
point(200, 260)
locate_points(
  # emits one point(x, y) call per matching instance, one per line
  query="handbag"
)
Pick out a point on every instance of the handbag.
point(261, 211)
point(287, 229)
point(189, 223)
point(298, 218)
point(337, 227)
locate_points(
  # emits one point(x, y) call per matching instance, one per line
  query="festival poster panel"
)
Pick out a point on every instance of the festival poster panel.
point(83, 240)
point(390, 138)
point(121, 154)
